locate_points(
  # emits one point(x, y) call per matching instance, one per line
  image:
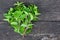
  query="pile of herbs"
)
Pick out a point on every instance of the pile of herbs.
point(21, 16)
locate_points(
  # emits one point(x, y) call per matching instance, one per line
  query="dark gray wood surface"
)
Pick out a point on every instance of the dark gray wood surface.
point(48, 23)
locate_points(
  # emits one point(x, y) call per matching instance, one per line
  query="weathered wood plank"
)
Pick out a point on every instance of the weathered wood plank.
point(50, 12)
point(47, 27)
point(50, 16)
point(50, 9)
point(4, 26)
point(39, 27)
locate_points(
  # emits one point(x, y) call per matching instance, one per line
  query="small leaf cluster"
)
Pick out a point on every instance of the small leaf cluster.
point(21, 16)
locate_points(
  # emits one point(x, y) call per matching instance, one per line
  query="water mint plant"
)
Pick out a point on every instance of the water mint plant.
point(20, 17)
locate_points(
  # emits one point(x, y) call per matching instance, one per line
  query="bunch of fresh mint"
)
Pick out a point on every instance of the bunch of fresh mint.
point(21, 16)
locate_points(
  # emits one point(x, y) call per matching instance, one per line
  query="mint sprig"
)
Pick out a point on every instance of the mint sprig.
point(20, 17)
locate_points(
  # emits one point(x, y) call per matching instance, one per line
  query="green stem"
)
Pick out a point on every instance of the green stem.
point(24, 32)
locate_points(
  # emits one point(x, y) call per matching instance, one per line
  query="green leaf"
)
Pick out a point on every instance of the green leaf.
point(11, 9)
point(6, 19)
point(16, 28)
point(30, 25)
point(35, 8)
point(17, 14)
point(35, 18)
point(18, 3)
point(5, 14)
point(22, 29)
point(23, 16)
point(26, 12)
point(36, 13)
point(14, 23)
point(28, 31)
point(31, 16)
point(24, 25)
